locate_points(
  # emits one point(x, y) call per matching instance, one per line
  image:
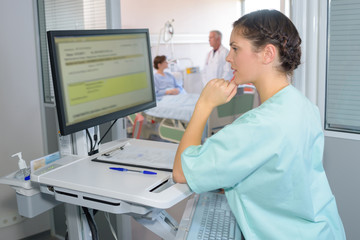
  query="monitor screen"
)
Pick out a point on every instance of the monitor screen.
point(100, 75)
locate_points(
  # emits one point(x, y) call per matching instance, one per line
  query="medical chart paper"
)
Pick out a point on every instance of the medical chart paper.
point(141, 155)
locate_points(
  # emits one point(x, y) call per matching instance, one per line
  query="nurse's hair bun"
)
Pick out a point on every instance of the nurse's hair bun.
point(270, 26)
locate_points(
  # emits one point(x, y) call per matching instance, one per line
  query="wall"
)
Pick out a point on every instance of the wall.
point(20, 117)
point(192, 22)
point(341, 162)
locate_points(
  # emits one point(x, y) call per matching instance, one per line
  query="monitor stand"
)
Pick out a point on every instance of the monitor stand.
point(79, 144)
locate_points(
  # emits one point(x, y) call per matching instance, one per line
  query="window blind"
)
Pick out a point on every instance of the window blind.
point(66, 15)
point(342, 111)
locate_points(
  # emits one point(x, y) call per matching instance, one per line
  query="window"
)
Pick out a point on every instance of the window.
point(66, 15)
point(342, 104)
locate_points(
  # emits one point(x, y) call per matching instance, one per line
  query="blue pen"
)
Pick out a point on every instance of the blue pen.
point(125, 170)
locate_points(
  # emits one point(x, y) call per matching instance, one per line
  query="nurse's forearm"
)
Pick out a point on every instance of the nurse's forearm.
point(215, 93)
point(192, 136)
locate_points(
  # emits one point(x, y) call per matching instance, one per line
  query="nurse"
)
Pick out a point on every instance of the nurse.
point(269, 160)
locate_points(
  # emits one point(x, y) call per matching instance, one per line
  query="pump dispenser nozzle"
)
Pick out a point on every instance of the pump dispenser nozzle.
point(24, 172)
point(22, 163)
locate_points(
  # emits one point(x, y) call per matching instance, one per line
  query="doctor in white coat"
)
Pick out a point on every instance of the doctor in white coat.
point(216, 65)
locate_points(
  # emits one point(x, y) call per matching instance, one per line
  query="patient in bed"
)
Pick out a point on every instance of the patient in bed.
point(165, 82)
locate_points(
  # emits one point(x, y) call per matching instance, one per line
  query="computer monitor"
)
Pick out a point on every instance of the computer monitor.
point(100, 75)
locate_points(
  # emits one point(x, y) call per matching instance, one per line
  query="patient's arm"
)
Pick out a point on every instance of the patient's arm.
point(173, 91)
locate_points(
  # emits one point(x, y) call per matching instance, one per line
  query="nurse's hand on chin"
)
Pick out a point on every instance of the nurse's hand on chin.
point(217, 92)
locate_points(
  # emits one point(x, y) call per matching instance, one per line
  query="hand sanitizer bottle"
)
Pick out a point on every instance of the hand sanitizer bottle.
point(24, 172)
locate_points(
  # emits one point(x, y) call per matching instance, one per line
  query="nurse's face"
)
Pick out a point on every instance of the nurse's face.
point(245, 62)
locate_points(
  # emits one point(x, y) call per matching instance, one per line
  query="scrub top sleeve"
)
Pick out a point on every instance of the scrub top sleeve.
point(191, 179)
point(231, 155)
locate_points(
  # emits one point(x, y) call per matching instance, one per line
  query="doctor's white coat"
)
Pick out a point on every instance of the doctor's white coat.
point(216, 66)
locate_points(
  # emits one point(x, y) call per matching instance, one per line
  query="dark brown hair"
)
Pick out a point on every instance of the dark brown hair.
point(158, 60)
point(270, 26)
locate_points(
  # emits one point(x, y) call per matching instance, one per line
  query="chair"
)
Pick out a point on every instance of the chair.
point(136, 121)
point(228, 112)
point(171, 130)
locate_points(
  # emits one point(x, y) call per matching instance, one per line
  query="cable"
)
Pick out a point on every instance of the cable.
point(92, 147)
point(93, 221)
point(92, 216)
point(95, 137)
point(92, 225)
point(107, 132)
point(111, 227)
point(91, 144)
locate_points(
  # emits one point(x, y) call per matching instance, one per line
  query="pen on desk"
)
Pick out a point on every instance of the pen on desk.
point(130, 170)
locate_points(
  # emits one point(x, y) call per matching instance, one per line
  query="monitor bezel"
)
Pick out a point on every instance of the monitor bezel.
point(59, 95)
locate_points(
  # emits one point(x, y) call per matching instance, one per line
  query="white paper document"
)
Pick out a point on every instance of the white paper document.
point(144, 156)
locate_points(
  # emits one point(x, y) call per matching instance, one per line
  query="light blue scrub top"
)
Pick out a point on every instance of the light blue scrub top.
point(163, 83)
point(269, 161)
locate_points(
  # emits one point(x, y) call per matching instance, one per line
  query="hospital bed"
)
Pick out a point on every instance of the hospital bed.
point(170, 117)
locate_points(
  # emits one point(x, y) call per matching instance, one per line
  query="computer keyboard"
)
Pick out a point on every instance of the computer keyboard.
point(213, 219)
